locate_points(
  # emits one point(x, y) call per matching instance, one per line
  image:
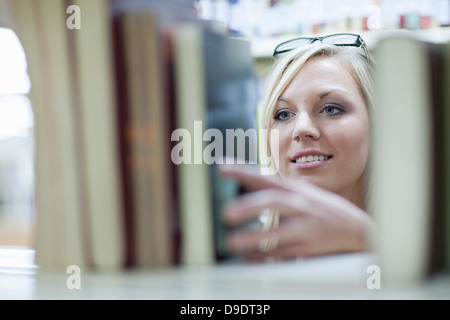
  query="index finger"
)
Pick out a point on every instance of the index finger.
point(250, 177)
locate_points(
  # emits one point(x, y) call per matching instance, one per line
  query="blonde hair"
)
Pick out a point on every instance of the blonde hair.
point(287, 66)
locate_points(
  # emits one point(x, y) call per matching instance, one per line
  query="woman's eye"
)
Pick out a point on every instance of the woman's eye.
point(283, 115)
point(332, 110)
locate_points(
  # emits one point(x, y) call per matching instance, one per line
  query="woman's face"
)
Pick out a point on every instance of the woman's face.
point(323, 128)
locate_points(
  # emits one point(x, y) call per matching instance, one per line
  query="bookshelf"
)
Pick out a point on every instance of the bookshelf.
point(340, 277)
point(262, 47)
point(331, 277)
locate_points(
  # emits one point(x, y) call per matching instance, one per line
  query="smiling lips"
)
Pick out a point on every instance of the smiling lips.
point(309, 159)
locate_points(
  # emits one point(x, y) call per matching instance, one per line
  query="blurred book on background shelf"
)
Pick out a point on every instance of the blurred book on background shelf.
point(270, 18)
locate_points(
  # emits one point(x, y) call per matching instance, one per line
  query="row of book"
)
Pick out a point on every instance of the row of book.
point(108, 97)
point(273, 18)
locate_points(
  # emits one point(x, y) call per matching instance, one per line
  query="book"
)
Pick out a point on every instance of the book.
point(121, 98)
point(446, 156)
point(216, 107)
point(409, 171)
point(232, 98)
point(440, 242)
point(59, 222)
point(96, 115)
point(145, 132)
point(196, 224)
point(24, 26)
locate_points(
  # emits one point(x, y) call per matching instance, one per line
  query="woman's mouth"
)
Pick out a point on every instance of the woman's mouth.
point(310, 161)
point(312, 158)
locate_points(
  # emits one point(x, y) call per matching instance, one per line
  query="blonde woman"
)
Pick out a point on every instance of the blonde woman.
point(319, 101)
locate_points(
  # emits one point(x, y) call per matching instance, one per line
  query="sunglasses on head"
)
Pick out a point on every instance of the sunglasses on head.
point(337, 39)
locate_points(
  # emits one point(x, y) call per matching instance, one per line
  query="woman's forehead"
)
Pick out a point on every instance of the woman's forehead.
point(323, 73)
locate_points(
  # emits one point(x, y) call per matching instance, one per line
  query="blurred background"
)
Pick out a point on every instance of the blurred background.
point(263, 22)
point(267, 18)
point(16, 144)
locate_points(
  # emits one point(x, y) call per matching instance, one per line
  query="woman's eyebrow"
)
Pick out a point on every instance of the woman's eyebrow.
point(323, 94)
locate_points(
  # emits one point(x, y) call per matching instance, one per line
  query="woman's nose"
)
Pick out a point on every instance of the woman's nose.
point(305, 128)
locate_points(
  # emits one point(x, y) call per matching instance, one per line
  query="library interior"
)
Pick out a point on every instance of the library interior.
point(116, 116)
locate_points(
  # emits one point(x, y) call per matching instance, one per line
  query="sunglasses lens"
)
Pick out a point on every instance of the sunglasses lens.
point(290, 45)
point(341, 39)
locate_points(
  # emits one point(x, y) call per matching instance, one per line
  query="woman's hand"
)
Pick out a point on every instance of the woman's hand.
point(311, 221)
